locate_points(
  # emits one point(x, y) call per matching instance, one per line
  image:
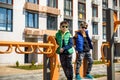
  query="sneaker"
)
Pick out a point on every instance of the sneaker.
point(78, 77)
point(89, 76)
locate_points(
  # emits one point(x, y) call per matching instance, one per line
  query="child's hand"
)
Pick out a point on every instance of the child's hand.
point(76, 51)
point(61, 50)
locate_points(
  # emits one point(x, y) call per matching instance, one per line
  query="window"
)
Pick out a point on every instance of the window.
point(31, 20)
point(81, 11)
point(33, 1)
point(7, 1)
point(70, 25)
point(52, 3)
point(104, 32)
point(95, 11)
point(6, 19)
point(51, 22)
point(105, 3)
point(104, 15)
point(79, 22)
point(68, 7)
point(95, 28)
point(114, 2)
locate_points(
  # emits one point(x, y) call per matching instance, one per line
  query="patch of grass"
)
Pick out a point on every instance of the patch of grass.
point(98, 62)
point(97, 76)
point(29, 67)
point(118, 71)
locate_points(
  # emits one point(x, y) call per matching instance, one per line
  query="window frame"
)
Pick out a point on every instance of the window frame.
point(81, 12)
point(105, 3)
point(33, 2)
point(7, 20)
point(27, 19)
point(51, 25)
point(7, 2)
point(104, 15)
point(94, 7)
point(95, 28)
point(115, 2)
point(104, 32)
point(54, 4)
point(70, 10)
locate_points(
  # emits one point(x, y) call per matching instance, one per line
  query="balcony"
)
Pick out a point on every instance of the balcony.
point(83, 1)
point(95, 2)
point(50, 10)
point(116, 8)
point(31, 32)
point(43, 9)
point(31, 6)
point(95, 19)
point(116, 39)
point(10, 6)
point(104, 23)
point(95, 38)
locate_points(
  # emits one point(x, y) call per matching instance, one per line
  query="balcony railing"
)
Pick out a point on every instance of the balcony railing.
point(43, 9)
point(46, 9)
point(116, 39)
point(95, 38)
point(31, 32)
point(31, 6)
point(95, 19)
point(116, 8)
point(96, 2)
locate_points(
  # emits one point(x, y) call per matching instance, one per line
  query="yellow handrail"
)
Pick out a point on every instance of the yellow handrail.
point(116, 22)
point(9, 50)
point(102, 53)
point(18, 50)
point(34, 47)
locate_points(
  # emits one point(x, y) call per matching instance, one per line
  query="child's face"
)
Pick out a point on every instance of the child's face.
point(84, 28)
point(64, 27)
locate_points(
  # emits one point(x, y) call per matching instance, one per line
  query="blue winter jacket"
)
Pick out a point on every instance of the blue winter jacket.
point(80, 41)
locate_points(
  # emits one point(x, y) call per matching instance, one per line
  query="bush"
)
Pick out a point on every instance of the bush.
point(97, 76)
point(32, 64)
point(97, 62)
point(17, 64)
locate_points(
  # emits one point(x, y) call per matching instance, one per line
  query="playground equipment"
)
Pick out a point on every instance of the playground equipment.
point(111, 28)
point(49, 50)
point(32, 47)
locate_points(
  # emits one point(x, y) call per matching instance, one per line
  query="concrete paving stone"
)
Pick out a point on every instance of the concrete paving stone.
point(7, 73)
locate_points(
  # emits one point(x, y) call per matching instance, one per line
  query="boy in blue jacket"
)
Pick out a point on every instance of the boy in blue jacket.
point(65, 50)
point(82, 46)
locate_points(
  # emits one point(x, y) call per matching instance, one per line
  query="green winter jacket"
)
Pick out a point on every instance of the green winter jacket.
point(60, 37)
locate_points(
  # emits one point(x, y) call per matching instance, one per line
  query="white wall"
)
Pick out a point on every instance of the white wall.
point(16, 35)
point(61, 8)
point(89, 16)
point(100, 29)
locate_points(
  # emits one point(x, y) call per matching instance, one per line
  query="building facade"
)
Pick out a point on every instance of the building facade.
point(24, 19)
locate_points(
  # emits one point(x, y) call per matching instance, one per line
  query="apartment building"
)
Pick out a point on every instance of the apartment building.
point(19, 17)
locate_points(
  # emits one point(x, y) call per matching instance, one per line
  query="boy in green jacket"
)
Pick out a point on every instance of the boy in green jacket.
point(65, 50)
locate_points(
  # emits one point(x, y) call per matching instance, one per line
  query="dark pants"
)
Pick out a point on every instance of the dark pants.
point(66, 62)
point(80, 57)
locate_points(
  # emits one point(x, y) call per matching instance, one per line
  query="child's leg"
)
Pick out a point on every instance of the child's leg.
point(79, 61)
point(66, 62)
point(69, 67)
point(90, 62)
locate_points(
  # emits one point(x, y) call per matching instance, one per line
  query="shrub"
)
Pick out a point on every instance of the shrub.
point(17, 64)
point(32, 63)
